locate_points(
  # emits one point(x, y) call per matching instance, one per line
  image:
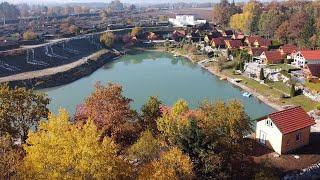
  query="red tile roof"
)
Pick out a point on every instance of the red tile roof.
point(314, 69)
point(258, 51)
point(263, 42)
point(288, 48)
point(291, 120)
point(234, 44)
point(218, 41)
point(311, 55)
point(273, 57)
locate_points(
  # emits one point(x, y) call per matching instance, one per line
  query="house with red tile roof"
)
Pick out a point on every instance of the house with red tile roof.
point(271, 57)
point(257, 41)
point(218, 42)
point(288, 50)
point(285, 131)
point(302, 58)
point(233, 44)
point(312, 72)
point(256, 52)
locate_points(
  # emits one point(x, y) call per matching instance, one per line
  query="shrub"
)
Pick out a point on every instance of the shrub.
point(29, 35)
point(107, 39)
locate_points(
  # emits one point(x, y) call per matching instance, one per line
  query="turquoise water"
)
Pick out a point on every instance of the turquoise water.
point(155, 74)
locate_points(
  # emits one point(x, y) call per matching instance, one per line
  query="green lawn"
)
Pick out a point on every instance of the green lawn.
point(275, 92)
point(282, 66)
point(313, 86)
point(280, 86)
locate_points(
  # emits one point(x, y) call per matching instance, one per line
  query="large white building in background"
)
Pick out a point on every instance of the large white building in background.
point(185, 20)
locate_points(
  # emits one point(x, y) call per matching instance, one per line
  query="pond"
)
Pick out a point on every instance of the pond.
point(145, 74)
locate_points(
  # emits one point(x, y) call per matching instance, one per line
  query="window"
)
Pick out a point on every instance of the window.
point(298, 137)
point(269, 123)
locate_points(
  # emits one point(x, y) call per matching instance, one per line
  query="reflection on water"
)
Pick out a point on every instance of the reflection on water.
point(154, 74)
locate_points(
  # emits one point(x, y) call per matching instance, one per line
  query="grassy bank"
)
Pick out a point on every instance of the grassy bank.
point(274, 92)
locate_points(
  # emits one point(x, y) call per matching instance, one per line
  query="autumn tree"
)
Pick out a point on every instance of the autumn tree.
point(151, 111)
point(74, 29)
point(29, 35)
point(9, 157)
point(172, 164)
point(135, 31)
point(20, 110)
point(226, 124)
point(107, 39)
point(111, 112)
point(173, 121)
point(61, 150)
point(269, 23)
point(222, 12)
point(282, 32)
point(247, 21)
point(146, 148)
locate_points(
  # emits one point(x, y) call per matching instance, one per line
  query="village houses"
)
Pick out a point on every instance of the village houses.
point(302, 58)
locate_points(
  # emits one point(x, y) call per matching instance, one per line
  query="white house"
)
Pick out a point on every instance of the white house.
point(185, 20)
point(285, 131)
point(302, 58)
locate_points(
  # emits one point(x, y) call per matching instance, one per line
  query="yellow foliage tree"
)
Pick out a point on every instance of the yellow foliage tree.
point(107, 39)
point(146, 148)
point(247, 21)
point(172, 164)
point(172, 122)
point(29, 35)
point(61, 150)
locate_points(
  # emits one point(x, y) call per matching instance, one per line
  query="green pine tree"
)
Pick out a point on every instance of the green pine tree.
point(262, 77)
point(292, 90)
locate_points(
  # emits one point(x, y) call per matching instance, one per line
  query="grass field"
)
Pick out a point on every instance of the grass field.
point(274, 92)
point(313, 86)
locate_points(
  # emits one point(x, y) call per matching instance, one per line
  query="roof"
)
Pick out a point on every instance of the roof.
point(258, 51)
point(273, 56)
point(263, 42)
point(314, 69)
point(234, 44)
point(291, 120)
point(311, 54)
point(288, 48)
point(218, 41)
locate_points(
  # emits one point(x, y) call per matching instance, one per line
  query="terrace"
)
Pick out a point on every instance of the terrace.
point(47, 56)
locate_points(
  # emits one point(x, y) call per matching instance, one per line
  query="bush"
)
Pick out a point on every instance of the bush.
point(318, 107)
point(107, 39)
point(30, 35)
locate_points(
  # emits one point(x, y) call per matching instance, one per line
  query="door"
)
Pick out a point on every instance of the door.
point(262, 137)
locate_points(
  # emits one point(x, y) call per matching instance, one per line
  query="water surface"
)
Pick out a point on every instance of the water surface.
point(155, 74)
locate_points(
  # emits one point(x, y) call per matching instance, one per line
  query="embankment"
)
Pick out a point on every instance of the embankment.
point(61, 75)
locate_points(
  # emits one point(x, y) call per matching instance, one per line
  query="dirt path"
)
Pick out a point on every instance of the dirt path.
point(50, 71)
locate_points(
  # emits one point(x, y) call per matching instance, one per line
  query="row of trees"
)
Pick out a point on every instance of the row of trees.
point(295, 22)
point(108, 140)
